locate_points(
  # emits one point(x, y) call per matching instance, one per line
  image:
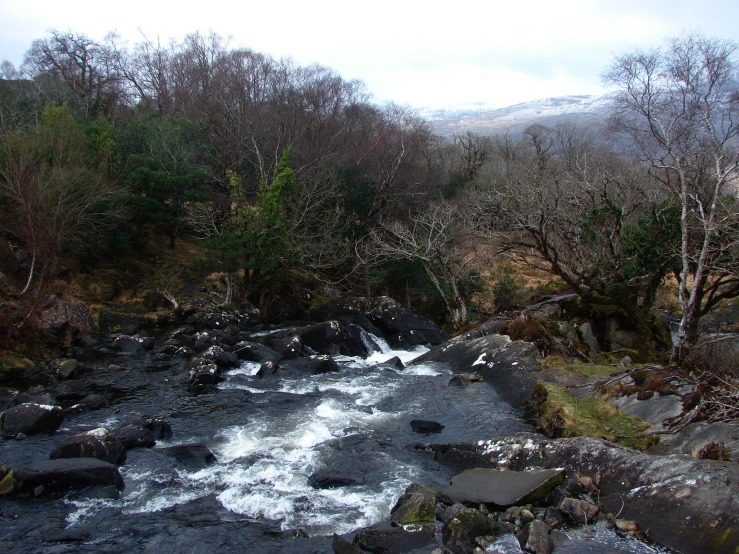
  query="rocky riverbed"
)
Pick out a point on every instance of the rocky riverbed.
point(222, 435)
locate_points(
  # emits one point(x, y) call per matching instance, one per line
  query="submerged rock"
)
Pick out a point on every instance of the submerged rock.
point(425, 426)
point(334, 479)
point(191, 454)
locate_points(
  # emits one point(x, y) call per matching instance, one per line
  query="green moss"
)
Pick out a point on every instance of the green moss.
point(579, 369)
point(561, 415)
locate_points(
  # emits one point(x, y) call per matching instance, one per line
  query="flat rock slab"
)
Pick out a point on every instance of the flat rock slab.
point(653, 410)
point(66, 474)
point(503, 488)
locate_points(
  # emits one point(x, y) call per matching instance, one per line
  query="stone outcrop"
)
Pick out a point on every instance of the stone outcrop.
point(654, 491)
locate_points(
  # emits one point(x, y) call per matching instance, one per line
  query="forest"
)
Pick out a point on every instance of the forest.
point(296, 185)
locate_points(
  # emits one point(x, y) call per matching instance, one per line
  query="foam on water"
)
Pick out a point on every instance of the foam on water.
point(263, 467)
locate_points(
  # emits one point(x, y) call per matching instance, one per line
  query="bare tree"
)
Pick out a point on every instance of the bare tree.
point(474, 151)
point(87, 67)
point(434, 237)
point(680, 106)
point(55, 203)
point(595, 222)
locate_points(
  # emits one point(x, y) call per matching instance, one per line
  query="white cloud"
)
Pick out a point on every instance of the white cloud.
point(413, 52)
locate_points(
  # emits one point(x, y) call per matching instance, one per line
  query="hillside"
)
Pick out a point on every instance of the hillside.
point(583, 110)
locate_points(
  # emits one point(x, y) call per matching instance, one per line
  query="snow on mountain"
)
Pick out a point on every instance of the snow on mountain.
point(582, 110)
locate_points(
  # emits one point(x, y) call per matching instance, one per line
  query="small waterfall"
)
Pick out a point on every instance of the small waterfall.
point(374, 343)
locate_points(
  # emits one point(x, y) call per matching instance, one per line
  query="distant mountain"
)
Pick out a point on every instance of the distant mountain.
point(582, 110)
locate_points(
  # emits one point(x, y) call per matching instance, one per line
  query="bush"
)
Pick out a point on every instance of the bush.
point(507, 291)
point(720, 357)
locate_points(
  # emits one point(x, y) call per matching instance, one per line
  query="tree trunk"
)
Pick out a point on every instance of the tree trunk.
point(451, 308)
point(30, 275)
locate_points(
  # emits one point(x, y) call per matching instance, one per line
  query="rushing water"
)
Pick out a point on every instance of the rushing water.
point(355, 421)
point(269, 436)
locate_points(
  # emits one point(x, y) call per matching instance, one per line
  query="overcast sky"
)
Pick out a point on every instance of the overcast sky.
point(424, 54)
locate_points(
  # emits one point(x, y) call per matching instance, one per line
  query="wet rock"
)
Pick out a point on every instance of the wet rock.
point(552, 517)
point(98, 443)
point(503, 487)
point(475, 377)
point(334, 479)
point(7, 481)
point(216, 355)
point(444, 514)
point(414, 507)
point(160, 428)
point(125, 343)
point(267, 368)
point(135, 436)
point(204, 378)
point(342, 546)
point(315, 364)
point(534, 538)
point(8, 398)
point(192, 454)
point(325, 338)
point(654, 491)
point(31, 419)
point(35, 395)
point(393, 363)
point(395, 540)
point(425, 426)
point(63, 368)
point(66, 474)
point(255, 352)
point(66, 321)
point(511, 367)
point(460, 532)
point(579, 511)
point(459, 380)
point(289, 347)
point(94, 401)
point(75, 533)
point(505, 544)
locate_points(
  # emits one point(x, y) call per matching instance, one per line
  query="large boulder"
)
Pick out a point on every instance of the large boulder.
point(255, 352)
point(654, 491)
point(333, 337)
point(204, 378)
point(395, 540)
point(31, 419)
point(287, 346)
point(65, 321)
point(98, 443)
point(66, 474)
point(193, 455)
point(216, 355)
point(511, 367)
point(400, 326)
point(315, 364)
